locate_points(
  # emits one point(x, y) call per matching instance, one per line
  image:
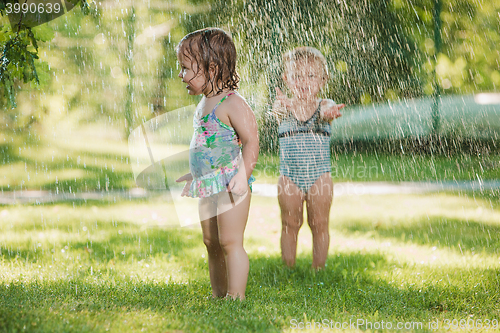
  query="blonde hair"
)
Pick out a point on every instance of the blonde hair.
point(306, 53)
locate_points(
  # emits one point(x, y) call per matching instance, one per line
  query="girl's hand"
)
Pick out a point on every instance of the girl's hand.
point(282, 98)
point(189, 179)
point(330, 111)
point(238, 184)
point(282, 104)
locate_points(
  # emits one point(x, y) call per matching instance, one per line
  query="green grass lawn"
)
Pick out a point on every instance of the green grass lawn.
point(386, 167)
point(123, 265)
point(105, 266)
point(95, 158)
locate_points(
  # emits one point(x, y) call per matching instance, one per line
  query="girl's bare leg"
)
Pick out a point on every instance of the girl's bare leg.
point(318, 203)
point(291, 201)
point(216, 260)
point(232, 225)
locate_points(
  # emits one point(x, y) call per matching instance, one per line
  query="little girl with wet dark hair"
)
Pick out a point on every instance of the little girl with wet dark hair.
point(305, 166)
point(223, 153)
point(214, 53)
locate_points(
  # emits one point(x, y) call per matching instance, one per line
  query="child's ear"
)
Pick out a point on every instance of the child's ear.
point(212, 68)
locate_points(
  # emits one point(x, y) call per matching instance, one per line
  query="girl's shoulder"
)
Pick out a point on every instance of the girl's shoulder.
point(236, 113)
point(235, 96)
point(234, 104)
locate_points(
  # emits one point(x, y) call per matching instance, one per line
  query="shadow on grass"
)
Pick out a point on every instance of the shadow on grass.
point(106, 176)
point(371, 166)
point(173, 242)
point(458, 235)
point(347, 167)
point(95, 176)
point(353, 285)
point(120, 243)
point(348, 288)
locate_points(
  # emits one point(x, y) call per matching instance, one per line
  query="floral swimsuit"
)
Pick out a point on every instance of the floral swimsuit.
point(214, 155)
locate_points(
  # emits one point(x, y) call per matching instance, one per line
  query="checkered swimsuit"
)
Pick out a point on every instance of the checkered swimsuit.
point(304, 149)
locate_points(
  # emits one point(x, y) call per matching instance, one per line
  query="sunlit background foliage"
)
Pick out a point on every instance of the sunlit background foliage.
point(377, 50)
point(110, 67)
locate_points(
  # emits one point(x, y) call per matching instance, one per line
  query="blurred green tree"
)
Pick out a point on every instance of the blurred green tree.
point(19, 52)
point(371, 55)
point(469, 53)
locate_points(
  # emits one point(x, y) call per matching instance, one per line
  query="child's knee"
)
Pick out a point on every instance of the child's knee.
point(318, 227)
point(229, 244)
point(292, 223)
point(211, 243)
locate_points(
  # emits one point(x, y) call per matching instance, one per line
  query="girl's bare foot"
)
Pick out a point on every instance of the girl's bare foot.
point(234, 297)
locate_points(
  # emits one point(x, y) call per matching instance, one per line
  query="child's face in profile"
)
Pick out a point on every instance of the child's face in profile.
point(189, 73)
point(305, 78)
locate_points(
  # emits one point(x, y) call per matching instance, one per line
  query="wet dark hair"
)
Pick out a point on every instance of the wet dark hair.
point(212, 47)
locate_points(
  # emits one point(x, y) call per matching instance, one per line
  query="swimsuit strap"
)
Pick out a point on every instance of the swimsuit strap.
point(215, 107)
point(315, 128)
point(317, 113)
point(222, 100)
point(318, 110)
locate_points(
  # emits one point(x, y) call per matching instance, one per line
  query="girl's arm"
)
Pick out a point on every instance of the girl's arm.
point(243, 121)
point(281, 105)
